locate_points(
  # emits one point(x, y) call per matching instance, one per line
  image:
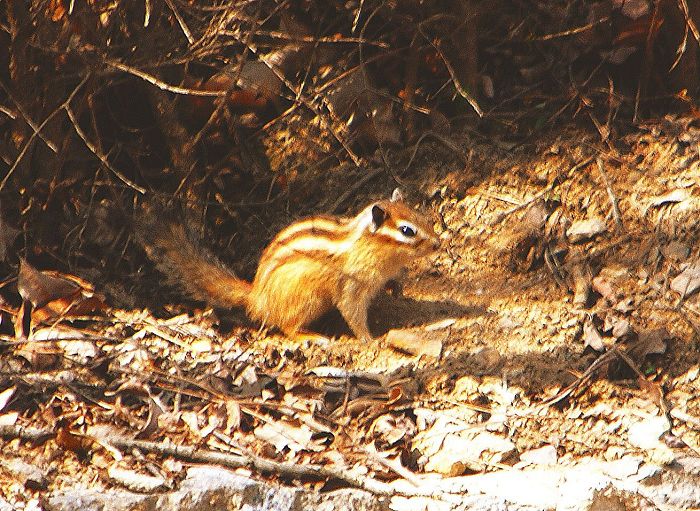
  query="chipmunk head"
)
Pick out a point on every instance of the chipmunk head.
point(402, 227)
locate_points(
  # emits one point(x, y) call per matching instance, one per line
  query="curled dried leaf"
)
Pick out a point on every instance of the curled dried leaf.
point(38, 288)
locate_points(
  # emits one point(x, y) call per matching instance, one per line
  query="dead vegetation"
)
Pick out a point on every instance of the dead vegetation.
point(559, 321)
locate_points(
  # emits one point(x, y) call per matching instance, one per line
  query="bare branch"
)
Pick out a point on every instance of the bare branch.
point(38, 130)
point(161, 84)
point(95, 150)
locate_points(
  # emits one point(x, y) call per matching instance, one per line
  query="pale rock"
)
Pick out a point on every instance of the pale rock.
point(623, 468)
point(687, 282)
point(582, 230)
point(465, 387)
point(645, 433)
point(496, 390)
point(545, 455)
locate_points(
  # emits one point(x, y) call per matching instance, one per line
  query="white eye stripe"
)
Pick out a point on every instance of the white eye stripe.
point(395, 235)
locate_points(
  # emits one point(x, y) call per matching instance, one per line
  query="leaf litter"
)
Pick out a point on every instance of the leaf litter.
point(559, 340)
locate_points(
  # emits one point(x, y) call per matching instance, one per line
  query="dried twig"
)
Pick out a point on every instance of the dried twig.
point(41, 127)
point(161, 84)
point(95, 150)
point(611, 195)
point(147, 13)
point(25, 433)
point(453, 74)
point(556, 182)
point(599, 362)
point(369, 176)
point(446, 141)
point(357, 16)
point(8, 112)
point(685, 417)
point(263, 465)
point(394, 466)
point(326, 120)
point(181, 22)
point(689, 20)
point(27, 118)
point(298, 38)
point(573, 31)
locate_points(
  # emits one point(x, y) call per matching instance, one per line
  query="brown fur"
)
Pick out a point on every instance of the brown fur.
point(310, 267)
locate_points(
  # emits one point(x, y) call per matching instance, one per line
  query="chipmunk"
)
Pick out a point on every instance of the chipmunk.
point(310, 267)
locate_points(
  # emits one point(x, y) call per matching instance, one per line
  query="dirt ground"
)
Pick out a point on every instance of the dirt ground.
point(515, 309)
point(504, 320)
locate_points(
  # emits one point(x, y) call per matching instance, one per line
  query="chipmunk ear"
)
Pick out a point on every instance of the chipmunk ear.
point(378, 217)
point(396, 195)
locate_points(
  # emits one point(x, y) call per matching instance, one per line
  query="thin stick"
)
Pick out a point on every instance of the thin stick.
point(584, 378)
point(440, 138)
point(611, 195)
point(572, 31)
point(357, 16)
point(99, 153)
point(27, 118)
point(395, 467)
point(161, 84)
point(147, 13)
point(688, 20)
point(327, 121)
point(198, 455)
point(296, 38)
point(501, 216)
point(181, 22)
point(369, 176)
point(8, 112)
point(453, 74)
point(39, 128)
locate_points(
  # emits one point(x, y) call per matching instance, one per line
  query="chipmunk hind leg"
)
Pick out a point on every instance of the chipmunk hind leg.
point(290, 311)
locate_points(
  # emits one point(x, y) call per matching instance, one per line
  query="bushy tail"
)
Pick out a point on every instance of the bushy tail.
point(187, 265)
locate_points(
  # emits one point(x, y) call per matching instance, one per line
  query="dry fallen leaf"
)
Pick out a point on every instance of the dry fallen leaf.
point(591, 336)
point(621, 328)
point(366, 114)
point(688, 281)
point(675, 251)
point(604, 288)
point(283, 435)
point(673, 197)
point(9, 419)
point(633, 9)
point(545, 455)
point(233, 416)
point(79, 444)
point(646, 433)
point(39, 289)
point(74, 347)
point(29, 475)
point(583, 230)
point(581, 273)
point(5, 396)
point(453, 452)
point(416, 342)
point(136, 481)
point(389, 429)
point(55, 294)
point(650, 342)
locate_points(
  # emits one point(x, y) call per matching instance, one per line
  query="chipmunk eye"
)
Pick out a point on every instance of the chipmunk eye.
point(407, 231)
